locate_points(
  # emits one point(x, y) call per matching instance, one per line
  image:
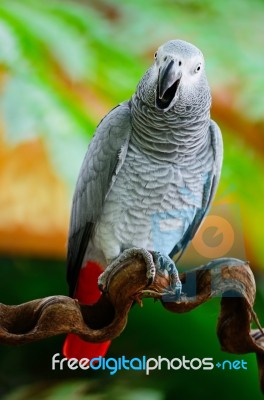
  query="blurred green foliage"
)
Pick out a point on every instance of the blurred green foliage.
point(40, 40)
point(107, 45)
point(48, 51)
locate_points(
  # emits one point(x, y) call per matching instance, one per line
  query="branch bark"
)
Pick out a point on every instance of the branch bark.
point(230, 279)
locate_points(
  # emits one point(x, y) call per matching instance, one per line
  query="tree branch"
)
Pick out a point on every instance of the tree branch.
point(230, 279)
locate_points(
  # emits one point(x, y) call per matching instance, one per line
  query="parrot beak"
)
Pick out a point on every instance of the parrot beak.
point(168, 83)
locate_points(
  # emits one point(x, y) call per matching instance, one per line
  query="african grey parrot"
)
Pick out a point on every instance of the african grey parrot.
point(147, 179)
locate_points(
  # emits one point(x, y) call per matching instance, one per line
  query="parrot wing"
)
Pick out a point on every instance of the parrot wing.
point(104, 158)
point(208, 192)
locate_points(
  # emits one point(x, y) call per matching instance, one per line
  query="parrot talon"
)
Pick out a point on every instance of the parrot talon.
point(165, 265)
point(117, 263)
point(150, 281)
point(103, 282)
point(102, 287)
point(138, 300)
point(151, 275)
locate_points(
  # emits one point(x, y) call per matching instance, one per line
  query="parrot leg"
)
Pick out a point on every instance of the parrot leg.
point(164, 264)
point(119, 262)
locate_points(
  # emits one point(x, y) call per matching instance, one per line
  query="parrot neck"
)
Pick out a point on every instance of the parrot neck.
point(177, 136)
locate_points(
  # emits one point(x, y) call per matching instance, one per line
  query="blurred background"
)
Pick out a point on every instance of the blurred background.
point(63, 66)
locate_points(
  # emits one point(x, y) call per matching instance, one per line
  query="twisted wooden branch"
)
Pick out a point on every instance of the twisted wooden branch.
point(230, 279)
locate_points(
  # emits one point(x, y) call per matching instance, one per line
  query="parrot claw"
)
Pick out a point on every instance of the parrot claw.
point(155, 262)
point(138, 300)
point(165, 265)
point(103, 281)
point(101, 287)
point(115, 265)
point(151, 274)
point(150, 281)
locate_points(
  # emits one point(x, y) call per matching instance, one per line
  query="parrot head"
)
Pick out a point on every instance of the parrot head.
point(176, 79)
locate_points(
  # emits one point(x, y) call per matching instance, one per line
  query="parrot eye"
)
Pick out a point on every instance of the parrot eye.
point(155, 55)
point(197, 69)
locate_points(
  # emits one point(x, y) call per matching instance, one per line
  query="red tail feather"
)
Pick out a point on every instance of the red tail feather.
point(87, 292)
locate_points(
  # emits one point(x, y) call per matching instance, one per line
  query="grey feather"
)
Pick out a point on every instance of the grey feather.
point(104, 157)
point(210, 188)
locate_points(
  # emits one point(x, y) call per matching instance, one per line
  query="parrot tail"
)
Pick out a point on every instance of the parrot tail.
point(87, 292)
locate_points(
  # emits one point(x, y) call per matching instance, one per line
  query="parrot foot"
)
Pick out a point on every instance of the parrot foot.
point(127, 254)
point(165, 264)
